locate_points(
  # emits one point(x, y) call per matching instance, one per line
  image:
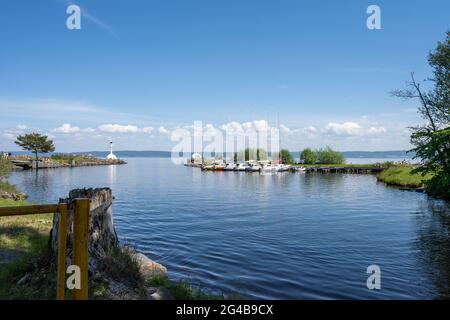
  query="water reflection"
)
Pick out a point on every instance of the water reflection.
point(433, 245)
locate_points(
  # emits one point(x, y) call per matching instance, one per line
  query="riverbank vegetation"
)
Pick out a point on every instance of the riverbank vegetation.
point(261, 155)
point(321, 156)
point(431, 140)
point(7, 190)
point(74, 159)
point(404, 176)
point(25, 256)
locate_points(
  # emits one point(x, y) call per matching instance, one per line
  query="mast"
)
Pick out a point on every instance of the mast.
point(280, 160)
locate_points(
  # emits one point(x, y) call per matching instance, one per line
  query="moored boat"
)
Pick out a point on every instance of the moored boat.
point(230, 167)
point(218, 167)
point(207, 167)
point(242, 167)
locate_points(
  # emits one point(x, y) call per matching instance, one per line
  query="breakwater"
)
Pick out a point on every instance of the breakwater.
point(31, 164)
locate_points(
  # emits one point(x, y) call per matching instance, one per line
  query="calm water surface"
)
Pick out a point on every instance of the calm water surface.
point(284, 236)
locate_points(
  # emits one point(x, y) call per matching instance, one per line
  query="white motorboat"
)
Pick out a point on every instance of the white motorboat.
point(268, 168)
point(254, 167)
point(282, 167)
point(230, 167)
point(242, 167)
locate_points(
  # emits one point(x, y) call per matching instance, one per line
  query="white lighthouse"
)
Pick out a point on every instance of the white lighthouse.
point(111, 155)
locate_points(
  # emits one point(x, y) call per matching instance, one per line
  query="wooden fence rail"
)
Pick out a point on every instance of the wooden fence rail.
point(80, 240)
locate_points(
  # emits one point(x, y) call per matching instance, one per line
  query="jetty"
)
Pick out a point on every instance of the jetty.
point(345, 169)
point(31, 164)
point(349, 169)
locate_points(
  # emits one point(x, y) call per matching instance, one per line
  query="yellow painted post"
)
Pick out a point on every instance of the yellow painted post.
point(62, 239)
point(80, 245)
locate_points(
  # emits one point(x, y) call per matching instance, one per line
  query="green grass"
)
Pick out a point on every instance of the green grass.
point(182, 290)
point(64, 158)
point(6, 186)
point(24, 251)
point(402, 176)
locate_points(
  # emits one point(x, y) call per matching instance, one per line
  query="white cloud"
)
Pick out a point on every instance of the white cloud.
point(88, 130)
point(163, 130)
point(236, 127)
point(311, 129)
point(21, 127)
point(117, 128)
point(346, 128)
point(261, 125)
point(66, 128)
point(376, 131)
point(285, 129)
point(232, 127)
point(247, 125)
point(147, 129)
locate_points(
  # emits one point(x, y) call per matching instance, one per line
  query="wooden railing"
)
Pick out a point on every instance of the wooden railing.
point(80, 253)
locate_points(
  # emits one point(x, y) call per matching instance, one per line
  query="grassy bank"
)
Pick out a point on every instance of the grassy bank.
point(5, 186)
point(403, 177)
point(24, 251)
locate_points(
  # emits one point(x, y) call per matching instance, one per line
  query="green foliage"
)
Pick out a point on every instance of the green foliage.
point(6, 186)
point(5, 167)
point(403, 176)
point(308, 156)
point(322, 156)
point(182, 290)
point(250, 154)
point(286, 157)
point(439, 186)
point(36, 143)
point(63, 157)
point(24, 250)
point(431, 140)
point(120, 265)
point(328, 155)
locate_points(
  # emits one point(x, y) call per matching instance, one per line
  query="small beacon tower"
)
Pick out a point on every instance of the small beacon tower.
point(111, 155)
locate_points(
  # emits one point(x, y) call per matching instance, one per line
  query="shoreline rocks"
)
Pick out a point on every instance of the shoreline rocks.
point(12, 195)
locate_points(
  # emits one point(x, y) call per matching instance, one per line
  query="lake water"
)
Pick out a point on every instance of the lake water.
point(282, 236)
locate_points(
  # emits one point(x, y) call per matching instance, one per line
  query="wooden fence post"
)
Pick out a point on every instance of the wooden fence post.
point(62, 237)
point(80, 245)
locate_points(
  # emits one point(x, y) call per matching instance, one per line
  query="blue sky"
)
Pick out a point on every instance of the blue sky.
point(139, 69)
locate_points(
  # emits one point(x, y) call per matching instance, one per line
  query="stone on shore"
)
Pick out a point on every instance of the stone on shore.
point(148, 267)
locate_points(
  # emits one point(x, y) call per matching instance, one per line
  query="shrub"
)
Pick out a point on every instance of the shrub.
point(329, 156)
point(439, 186)
point(308, 156)
point(5, 167)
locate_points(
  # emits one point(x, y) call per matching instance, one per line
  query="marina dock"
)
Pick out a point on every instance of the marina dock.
point(350, 169)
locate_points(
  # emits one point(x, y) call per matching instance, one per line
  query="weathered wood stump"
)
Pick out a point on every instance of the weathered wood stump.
point(102, 234)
